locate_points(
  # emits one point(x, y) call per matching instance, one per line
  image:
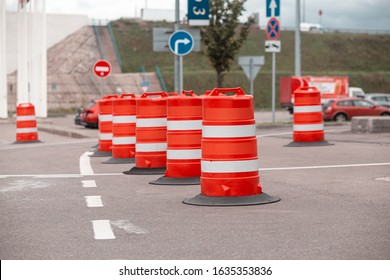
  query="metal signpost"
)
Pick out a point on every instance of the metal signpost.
point(273, 45)
point(251, 66)
point(102, 69)
point(181, 43)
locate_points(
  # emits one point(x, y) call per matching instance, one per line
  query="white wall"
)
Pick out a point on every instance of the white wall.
point(58, 28)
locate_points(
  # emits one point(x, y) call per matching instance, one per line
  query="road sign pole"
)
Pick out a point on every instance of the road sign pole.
point(273, 85)
point(297, 38)
point(101, 87)
point(251, 79)
point(181, 85)
point(177, 59)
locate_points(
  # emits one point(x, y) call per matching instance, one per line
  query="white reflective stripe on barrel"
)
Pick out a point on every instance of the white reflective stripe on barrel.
point(105, 136)
point(228, 131)
point(26, 118)
point(124, 119)
point(151, 122)
point(105, 118)
point(151, 147)
point(184, 154)
point(307, 109)
point(308, 127)
point(26, 130)
point(184, 125)
point(229, 166)
point(123, 140)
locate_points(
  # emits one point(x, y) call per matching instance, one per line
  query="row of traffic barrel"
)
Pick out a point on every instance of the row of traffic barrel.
point(208, 140)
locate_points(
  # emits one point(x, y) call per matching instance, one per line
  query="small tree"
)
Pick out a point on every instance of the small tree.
point(222, 37)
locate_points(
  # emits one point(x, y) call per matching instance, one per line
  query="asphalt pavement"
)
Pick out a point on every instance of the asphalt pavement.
point(58, 202)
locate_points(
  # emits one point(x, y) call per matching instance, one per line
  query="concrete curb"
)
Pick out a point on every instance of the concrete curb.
point(370, 125)
point(61, 131)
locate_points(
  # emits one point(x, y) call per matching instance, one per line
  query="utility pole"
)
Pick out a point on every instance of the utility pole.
point(3, 65)
point(176, 57)
point(297, 39)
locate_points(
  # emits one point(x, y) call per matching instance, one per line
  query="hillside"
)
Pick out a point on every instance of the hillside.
point(364, 58)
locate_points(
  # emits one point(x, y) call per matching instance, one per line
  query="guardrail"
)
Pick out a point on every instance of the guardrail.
point(160, 78)
point(98, 41)
point(117, 54)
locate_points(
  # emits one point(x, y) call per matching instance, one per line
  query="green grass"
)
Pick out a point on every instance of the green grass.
point(365, 59)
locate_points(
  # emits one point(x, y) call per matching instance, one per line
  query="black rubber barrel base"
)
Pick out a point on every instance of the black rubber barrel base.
point(145, 171)
point(309, 144)
point(97, 153)
point(176, 181)
point(201, 200)
point(28, 142)
point(119, 161)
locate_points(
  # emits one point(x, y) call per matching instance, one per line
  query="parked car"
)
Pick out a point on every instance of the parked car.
point(346, 108)
point(381, 99)
point(77, 120)
point(89, 115)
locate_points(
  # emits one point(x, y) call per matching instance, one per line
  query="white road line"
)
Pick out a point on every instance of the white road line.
point(50, 176)
point(324, 166)
point(59, 176)
point(273, 134)
point(94, 201)
point(40, 145)
point(89, 183)
point(85, 164)
point(102, 229)
point(291, 132)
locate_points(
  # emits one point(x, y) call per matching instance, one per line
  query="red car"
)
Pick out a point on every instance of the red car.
point(346, 108)
point(89, 114)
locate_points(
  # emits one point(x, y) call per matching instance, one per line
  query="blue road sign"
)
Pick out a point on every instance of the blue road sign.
point(273, 29)
point(181, 42)
point(273, 8)
point(198, 12)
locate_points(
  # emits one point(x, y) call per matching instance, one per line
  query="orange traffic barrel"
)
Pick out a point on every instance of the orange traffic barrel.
point(105, 125)
point(308, 126)
point(123, 129)
point(229, 161)
point(184, 135)
point(26, 124)
point(150, 134)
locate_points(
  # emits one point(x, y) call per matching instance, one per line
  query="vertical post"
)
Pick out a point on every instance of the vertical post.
point(273, 85)
point(3, 68)
point(181, 74)
point(101, 87)
point(43, 62)
point(297, 39)
point(22, 78)
point(176, 57)
point(251, 78)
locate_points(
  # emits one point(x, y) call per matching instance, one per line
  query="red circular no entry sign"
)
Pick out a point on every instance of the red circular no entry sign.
point(102, 68)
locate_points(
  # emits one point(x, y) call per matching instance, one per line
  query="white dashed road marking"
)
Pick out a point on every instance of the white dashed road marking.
point(94, 201)
point(89, 183)
point(102, 229)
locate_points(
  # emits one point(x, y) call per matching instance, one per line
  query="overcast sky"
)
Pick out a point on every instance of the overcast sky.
point(357, 14)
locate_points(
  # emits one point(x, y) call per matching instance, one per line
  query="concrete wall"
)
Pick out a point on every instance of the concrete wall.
point(58, 28)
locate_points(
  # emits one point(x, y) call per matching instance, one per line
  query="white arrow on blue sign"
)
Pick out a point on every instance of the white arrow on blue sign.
point(273, 8)
point(181, 42)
